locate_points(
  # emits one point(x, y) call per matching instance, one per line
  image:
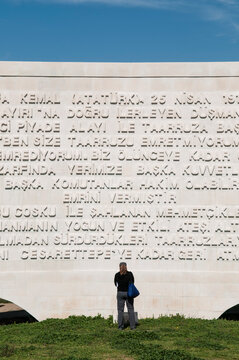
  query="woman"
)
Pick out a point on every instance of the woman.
point(122, 280)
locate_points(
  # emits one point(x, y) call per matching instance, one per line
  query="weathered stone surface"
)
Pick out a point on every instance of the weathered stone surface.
point(107, 162)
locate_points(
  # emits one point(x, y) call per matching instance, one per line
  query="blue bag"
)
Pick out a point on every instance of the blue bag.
point(132, 291)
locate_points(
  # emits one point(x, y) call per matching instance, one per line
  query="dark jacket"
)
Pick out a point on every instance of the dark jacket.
point(122, 281)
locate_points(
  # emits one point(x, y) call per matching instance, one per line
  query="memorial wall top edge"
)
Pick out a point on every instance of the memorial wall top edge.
point(118, 70)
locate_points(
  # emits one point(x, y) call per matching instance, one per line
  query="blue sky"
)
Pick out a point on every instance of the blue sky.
point(119, 30)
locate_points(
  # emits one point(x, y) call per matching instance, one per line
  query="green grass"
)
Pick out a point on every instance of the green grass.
point(3, 301)
point(86, 338)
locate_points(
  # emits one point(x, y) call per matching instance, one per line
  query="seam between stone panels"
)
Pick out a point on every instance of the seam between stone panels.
point(120, 77)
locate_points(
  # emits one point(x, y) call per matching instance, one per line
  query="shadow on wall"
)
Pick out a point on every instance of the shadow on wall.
point(11, 313)
point(231, 314)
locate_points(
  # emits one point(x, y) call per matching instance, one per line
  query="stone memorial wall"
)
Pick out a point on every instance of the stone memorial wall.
point(101, 163)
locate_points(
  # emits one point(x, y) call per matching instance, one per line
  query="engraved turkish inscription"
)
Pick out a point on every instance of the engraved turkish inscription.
point(104, 175)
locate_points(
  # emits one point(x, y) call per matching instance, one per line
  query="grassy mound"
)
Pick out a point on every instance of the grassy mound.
point(86, 338)
point(3, 301)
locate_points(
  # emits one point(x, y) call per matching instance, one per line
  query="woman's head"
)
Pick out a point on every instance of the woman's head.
point(123, 267)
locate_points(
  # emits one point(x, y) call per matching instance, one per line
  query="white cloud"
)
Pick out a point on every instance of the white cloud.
point(163, 4)
point(227, 2)
point(225, 11)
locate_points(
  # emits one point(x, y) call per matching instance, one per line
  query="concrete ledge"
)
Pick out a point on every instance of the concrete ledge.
point(121, 70)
